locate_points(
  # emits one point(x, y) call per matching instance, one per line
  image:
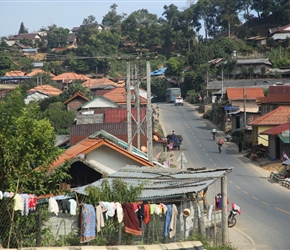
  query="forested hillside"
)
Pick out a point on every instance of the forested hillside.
point(185, 40)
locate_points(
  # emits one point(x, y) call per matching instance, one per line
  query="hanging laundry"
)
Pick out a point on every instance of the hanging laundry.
point(25, 204)
point(99, 218)
point(140, 214)
point(53, 206)
point(8, 194)
point(109, 208)
point(32, 202)
point(87, 223)
point(65, 206)
point(167, 220)
point(73, 206)
point(130, 220)
point(1, 195)
point(17, 202)
point(173, 221)
point(120, 212)
point(146, 213)
point(210, 212)
point(152, 208)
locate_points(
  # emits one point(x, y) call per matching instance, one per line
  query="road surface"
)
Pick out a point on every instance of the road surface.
point(265, 206)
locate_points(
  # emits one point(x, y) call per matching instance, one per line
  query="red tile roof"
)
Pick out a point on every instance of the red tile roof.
point(117, 115)
point(40, 71)
point(276, 130)
point(15, 73)
point(88, 145)
point(241, 93)
point(78, 94)
point(46, 89)
point(278, 116)
point(101, 82)
point(70, 76)
point(119, 96)
point(285, 89)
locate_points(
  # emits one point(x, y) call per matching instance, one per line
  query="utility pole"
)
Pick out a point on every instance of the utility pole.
point(224, 192)
point(129, 119)
point(222, 83)
point(137, 105)
point(149, 114)
point(245, 113)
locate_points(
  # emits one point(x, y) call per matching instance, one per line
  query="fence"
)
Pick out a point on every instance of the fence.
point(39, 228)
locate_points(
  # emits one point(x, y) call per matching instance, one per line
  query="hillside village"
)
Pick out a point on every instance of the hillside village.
point(247, 96)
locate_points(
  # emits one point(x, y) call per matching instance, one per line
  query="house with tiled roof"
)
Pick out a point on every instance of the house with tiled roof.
point(40, 72)
point(102, 83)
point(272, 119)
point(27, 36)
point(277, 96)
point(119, 95)
point(278, 139)
point(98, 155)
point(67, 78)
point(15, 73)
point(74, 102)
point(41, 92)
point(242, 104)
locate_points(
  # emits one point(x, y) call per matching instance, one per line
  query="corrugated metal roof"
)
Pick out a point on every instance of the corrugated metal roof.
point(161, 183)
point(276, 130)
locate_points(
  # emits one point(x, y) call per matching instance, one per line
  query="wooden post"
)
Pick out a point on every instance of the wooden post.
point(225, 231)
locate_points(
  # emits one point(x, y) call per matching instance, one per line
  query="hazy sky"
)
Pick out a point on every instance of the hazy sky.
point(36, 14)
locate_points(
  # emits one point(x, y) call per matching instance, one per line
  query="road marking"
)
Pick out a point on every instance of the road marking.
point(246, 192)
point(231, 182)
point(203, 149)
point(210, 159)
point(207, 154)
point(238, 187)
point(265, 203)
point(197, 140)
point(214, 165)
point(200, 145)
point(282, 210)
point(255, 198)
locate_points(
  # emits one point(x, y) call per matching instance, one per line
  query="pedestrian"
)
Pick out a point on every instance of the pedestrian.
point(240, 144)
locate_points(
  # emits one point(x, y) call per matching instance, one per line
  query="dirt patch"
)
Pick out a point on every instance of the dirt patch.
point(273, 167)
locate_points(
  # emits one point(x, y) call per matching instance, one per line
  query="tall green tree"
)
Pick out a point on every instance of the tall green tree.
point(112, 20)
point(27, 143)
point(22, 29)
point(56, 36)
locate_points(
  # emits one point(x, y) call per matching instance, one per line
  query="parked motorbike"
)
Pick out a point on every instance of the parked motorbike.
point(229, 137)
point(232, 220)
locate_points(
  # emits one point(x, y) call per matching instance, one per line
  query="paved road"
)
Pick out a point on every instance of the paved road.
point(265, 206)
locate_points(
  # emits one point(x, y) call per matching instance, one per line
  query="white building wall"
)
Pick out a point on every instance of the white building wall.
point(110, 158)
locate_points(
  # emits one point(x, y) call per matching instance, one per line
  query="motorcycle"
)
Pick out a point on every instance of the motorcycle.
point(220, 147)
point(229, 137)
point(213, 136)
point(232, 220)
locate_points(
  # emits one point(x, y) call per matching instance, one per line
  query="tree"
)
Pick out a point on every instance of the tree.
point(6, 63)
point(112, 20)
point(56, 36)
point(22, 29)
point(27, 143)
point(59, 117)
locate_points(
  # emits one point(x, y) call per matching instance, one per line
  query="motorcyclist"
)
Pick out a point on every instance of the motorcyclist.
point(220, 144)
point(213, 131)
